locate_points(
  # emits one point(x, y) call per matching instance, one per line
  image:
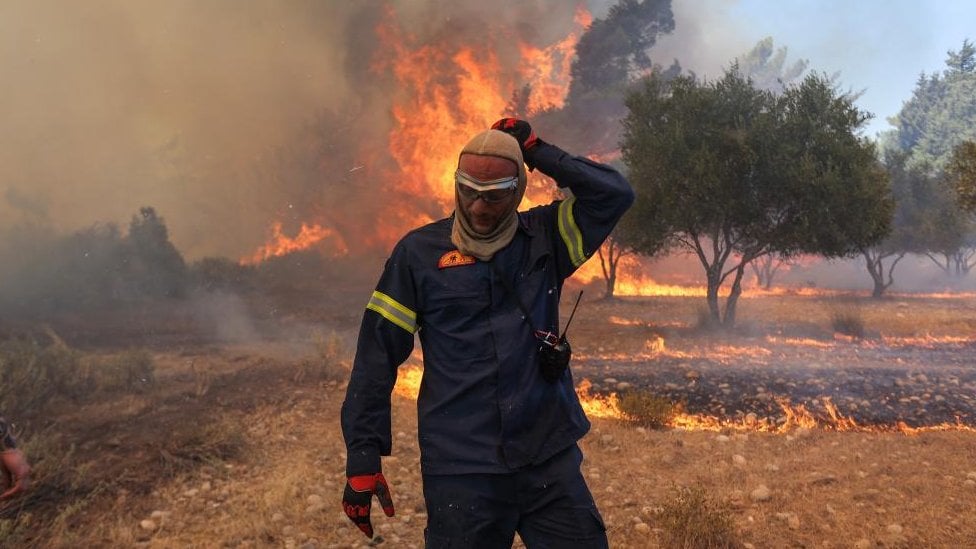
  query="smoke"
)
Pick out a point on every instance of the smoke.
point(199, 108)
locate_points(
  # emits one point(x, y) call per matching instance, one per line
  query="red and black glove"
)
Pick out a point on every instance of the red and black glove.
point(522, 132)
point(357, 499)
point(15, 472)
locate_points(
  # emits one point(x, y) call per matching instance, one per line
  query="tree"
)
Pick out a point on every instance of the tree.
point(731, 173)
point(610, 254)
point(155, 266)
point(941, 113)
point(936, 129)
point(961, 173)
point(610, 55)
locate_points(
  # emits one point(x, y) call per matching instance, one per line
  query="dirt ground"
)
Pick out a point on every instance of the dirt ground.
point(238, 444)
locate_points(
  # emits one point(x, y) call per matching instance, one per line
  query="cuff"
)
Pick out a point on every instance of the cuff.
point(363, 462)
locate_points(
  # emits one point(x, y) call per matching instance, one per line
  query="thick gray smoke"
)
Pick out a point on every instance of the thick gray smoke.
point(204, 109)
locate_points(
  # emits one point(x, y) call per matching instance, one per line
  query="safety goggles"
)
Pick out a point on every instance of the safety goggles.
point(492, 192)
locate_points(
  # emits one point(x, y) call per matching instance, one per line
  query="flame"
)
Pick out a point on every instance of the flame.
point(280, 244)
point(795, 418)
point(448, 92)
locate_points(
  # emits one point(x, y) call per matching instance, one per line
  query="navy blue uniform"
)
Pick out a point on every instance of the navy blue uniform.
point(483, 406)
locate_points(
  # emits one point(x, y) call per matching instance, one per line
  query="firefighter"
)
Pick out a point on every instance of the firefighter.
point(14, 469)
point(498, 422)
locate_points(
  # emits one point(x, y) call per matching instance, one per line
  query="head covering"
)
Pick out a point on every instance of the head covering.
point(483, 246)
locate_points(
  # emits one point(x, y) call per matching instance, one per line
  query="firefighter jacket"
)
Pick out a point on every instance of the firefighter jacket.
point(483, 405)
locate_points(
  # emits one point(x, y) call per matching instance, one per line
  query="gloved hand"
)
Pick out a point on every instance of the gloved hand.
point(357, 499)
point(522, 132)
point(15, 471)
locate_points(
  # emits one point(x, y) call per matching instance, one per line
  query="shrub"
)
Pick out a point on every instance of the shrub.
point(646, 408)
point(31, 374)
point(848, 321)
point(329, 363)
point(690, 520)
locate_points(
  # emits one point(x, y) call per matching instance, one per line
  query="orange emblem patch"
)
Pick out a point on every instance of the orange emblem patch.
point(454, 258)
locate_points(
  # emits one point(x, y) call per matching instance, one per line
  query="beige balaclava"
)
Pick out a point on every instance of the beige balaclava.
point(484, 246)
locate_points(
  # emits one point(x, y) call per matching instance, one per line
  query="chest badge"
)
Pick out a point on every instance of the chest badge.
point(454, 258)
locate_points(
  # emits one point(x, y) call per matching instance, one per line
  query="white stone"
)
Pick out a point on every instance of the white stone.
point(314, 499)
point(895, 529)
point(278, 517)
point(722, 438)
point(739, 460)
point(971, 475)
point(206, 486)
point(761, 493)
point(642, 528)
point(148, 525)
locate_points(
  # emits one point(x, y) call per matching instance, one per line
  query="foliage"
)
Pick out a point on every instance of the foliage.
point(609, 56)
point(731, 173)
point(96, 267)
point(646, 408)
point(848, 321)
point(935, 131)
point(691, 520)
point(962, 174)
point(34, 374)
point(767, 67)
point(614, 48)
point(330, 363)
point(941, 113)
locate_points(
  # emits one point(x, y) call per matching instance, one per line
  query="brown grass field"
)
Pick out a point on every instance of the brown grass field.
point(238, 444)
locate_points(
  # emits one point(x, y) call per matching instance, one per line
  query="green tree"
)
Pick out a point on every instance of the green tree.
point(941, 113)
point(932, 130)
point(731, 173)
point(961, 173)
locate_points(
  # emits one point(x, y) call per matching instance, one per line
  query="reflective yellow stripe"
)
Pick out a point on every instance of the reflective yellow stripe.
point(570, 232)
point(393, 311)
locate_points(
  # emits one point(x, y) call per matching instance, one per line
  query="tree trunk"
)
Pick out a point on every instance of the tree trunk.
point(714, 281)
point(730, 302)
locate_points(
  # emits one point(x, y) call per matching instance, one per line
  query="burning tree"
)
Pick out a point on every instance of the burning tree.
point(732, 173)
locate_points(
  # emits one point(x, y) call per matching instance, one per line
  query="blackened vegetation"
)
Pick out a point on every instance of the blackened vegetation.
point(877, 390)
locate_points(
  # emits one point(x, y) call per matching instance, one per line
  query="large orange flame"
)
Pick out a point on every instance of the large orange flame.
point(448, 92)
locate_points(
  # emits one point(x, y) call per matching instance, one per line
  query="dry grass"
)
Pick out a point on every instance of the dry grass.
point(262, 464)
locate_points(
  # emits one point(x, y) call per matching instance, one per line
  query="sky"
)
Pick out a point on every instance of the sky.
point(192, 107)
point(879, 46)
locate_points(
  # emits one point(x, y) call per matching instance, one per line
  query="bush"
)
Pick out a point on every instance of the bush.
point(646, 408)
point(31, 374)
point(848, 321)
point(328, 364)
point(690, 520)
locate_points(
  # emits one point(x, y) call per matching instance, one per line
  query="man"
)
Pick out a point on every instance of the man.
point(14, 470)
point(498, 420)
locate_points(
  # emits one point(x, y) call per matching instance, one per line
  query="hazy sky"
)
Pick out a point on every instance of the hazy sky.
point(880, 46)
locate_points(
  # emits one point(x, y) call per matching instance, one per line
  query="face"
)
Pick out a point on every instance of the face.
point(484, 217)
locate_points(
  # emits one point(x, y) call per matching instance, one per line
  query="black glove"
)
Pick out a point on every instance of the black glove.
point(522, 132)
point(554, 359)
point(357, 499)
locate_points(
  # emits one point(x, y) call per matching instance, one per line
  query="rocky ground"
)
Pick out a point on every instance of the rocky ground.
point(239, 444)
